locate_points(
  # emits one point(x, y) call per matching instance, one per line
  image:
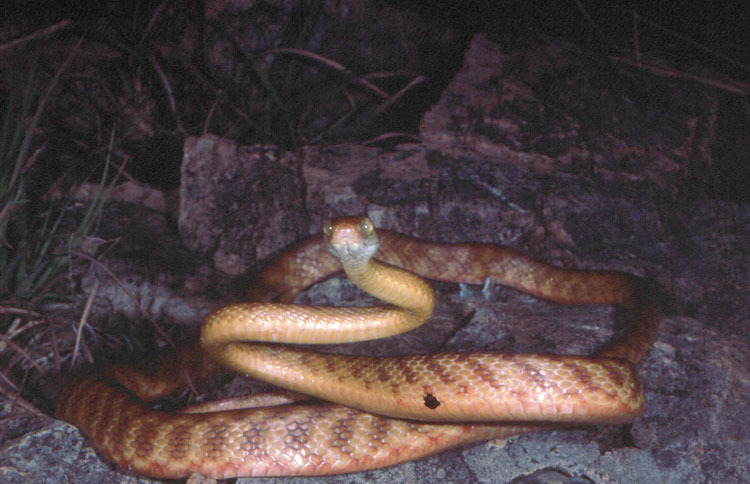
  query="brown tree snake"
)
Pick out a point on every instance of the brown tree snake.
point(383, 411)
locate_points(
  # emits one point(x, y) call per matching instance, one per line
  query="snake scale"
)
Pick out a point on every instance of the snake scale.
point(384, 410)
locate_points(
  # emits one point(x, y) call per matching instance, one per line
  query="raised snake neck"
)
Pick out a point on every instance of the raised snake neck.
point(396, 399)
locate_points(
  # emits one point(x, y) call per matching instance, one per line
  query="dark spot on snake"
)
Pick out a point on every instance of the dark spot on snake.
point(430, 401)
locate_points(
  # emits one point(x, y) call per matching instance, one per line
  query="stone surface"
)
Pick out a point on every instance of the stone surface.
point(608, 196)
point(550, 108)
point(233, 198)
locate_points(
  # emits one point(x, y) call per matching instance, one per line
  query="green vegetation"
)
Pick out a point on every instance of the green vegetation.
point(34, 250)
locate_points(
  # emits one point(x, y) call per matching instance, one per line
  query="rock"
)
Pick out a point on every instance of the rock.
point(238, 202)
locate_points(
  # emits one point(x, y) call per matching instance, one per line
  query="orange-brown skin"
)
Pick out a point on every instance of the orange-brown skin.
point(399, 402)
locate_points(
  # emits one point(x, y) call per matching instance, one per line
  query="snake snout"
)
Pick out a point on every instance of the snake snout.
point(351, 253)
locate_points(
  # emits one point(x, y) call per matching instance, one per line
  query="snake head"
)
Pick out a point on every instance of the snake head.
point(353, 240)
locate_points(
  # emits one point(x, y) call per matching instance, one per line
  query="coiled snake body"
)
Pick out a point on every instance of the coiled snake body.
point(385, 410)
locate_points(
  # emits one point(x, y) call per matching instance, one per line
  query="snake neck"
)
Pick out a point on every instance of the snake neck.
point(394, 286)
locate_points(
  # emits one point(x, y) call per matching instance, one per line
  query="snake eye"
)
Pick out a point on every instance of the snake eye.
point(367, 226)
point(328, 228)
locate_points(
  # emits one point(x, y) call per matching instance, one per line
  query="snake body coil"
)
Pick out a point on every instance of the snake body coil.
point(384, 410)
